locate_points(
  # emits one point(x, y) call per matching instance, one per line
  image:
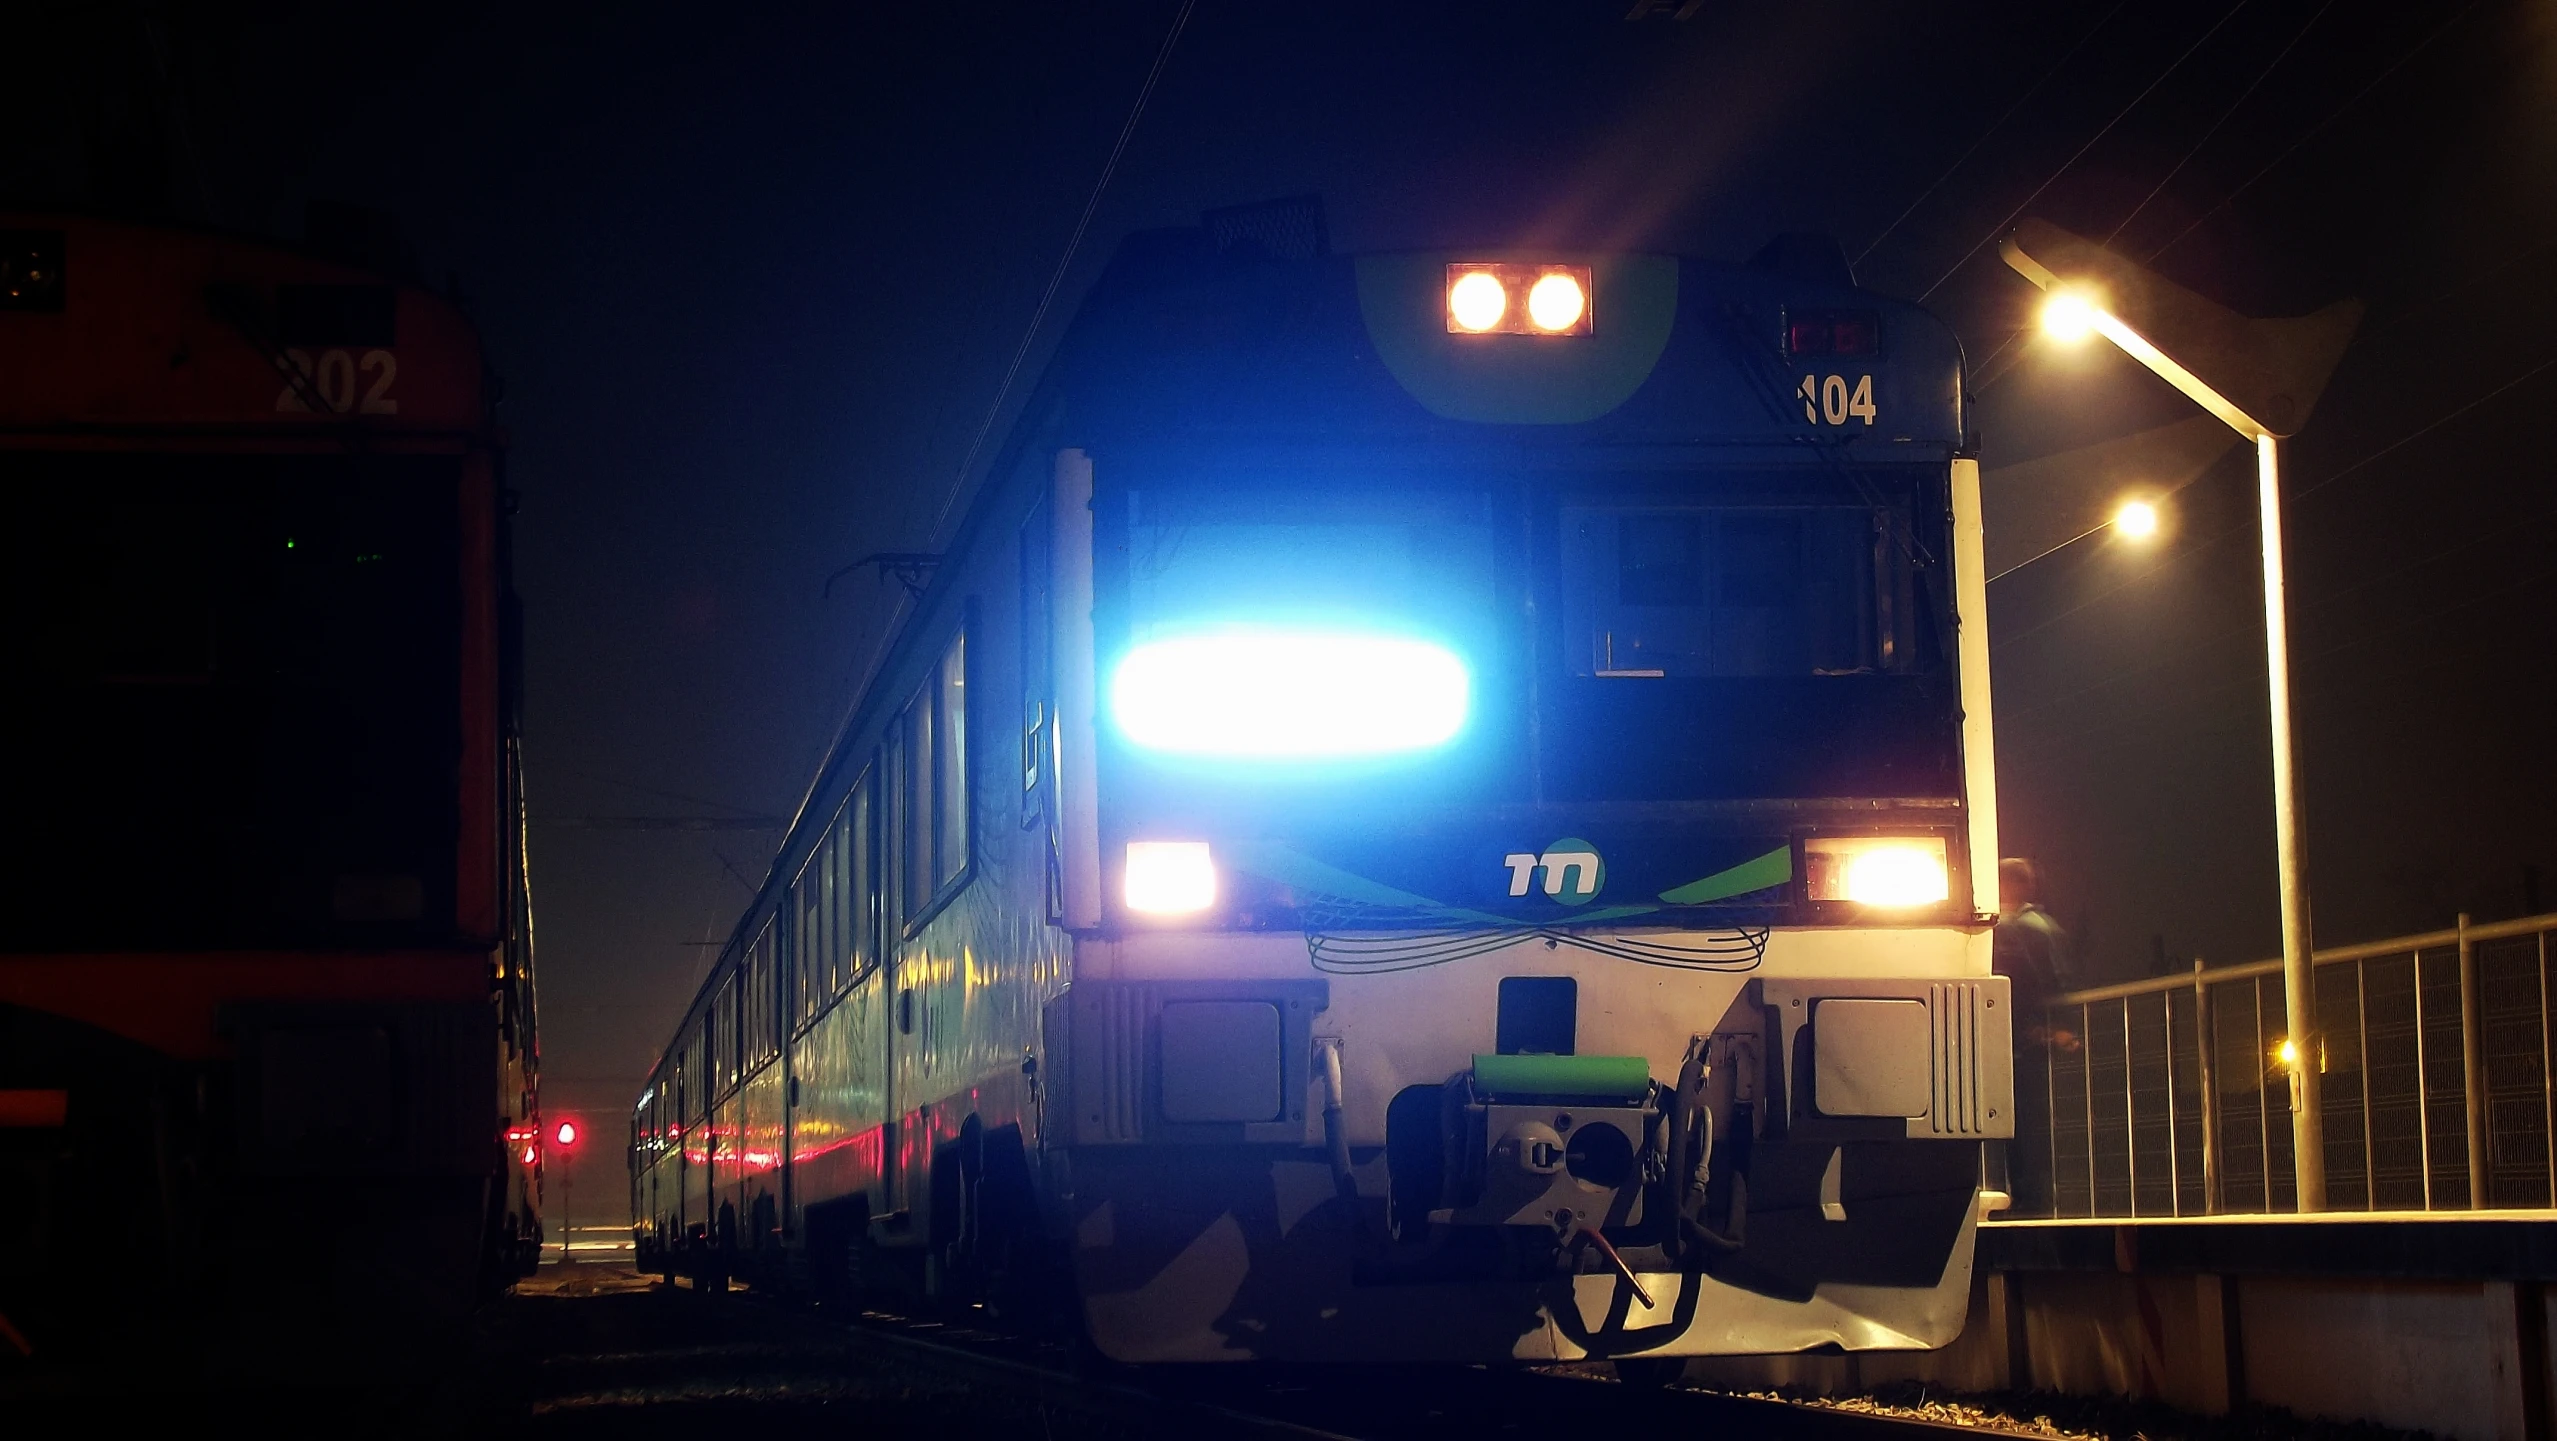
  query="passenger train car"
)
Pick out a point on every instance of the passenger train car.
point(266, 999)
point(1438, 808)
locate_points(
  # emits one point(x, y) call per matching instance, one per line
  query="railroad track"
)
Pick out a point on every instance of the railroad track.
point(636, 1362)
point(1382, 1404)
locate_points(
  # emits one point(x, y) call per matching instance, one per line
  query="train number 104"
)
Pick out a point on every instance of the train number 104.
point(1830, 400)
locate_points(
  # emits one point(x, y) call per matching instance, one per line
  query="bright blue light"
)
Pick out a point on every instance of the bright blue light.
point(1289, 694)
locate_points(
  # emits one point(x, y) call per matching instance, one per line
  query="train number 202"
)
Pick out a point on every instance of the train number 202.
point(330, 379)
point(1828, 400)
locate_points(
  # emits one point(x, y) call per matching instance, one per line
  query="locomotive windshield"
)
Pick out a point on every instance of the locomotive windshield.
point(1655, 591)
point(1646, 621)
point(1401, 679)
point(234, 714)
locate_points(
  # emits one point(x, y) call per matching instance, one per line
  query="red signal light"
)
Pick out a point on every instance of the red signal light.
point(1832, 332)
point(567, 1133)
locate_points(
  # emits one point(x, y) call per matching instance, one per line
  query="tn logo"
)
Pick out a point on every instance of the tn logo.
point(1573, 871)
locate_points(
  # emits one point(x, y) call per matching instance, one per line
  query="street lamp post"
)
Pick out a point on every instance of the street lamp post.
point(2267, 374)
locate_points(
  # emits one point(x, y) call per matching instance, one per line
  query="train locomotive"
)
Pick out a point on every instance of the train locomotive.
point(1438, 808)
point(266, 997)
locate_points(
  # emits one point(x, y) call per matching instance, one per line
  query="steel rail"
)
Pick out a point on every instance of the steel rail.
point(1063, 1387)
point(1357, 1391)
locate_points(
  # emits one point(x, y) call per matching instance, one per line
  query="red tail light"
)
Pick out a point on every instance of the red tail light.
point(1832, 332)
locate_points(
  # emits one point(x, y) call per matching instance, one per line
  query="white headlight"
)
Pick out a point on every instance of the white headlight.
point(1885, 871)
point(1170, 878)
point(1282, 694)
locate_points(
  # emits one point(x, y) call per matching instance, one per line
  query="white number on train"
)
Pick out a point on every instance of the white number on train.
point(331, 377)
point(1829, 400)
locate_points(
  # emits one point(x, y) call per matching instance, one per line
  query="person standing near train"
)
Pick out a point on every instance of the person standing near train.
point(2030, 949)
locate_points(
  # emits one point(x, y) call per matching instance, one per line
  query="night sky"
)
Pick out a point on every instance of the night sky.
point(753, 276)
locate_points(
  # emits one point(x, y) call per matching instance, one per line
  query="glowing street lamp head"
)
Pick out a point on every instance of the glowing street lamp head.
point(2068, 317)
point(2136, 520)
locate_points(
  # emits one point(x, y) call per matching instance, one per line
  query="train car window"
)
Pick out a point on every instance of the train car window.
point(760, 1004)
point(735, 1038)
point(861, 890)
point(1038, 562)
point(825, 936)
point(771, 994)
point(950, 766)
point(723, 1034)
point(892, 770)
point(915, 810)
point(839, 900)
point(1757, 591)
point(715, 1042)
point(807, 949)
point(929, 759)
point(750, 993)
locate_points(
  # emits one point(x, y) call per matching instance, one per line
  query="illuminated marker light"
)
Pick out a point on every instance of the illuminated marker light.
point(1476, 301)
point(1282, 695)
point(567, 1133)
point(1549, 299)
point(1883, 871)
point(1555, 302)
point(1170, 878)
point(2137, 519)
point(2068, 318)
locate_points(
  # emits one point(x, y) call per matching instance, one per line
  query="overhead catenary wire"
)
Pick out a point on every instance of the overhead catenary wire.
point(2422, 430)
point(1020, 355)
point(2048, 552)
point(1994, 126)
point(2232, 532)
point(2308, 605)
point(645, 790)
point(1987, 376)
point(2075, 156)
point(1065, 263)
point(2233, 107)
point(2126, 721)
point(2313, 131)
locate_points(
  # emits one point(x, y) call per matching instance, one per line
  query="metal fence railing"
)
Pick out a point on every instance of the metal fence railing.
point(2167, 1097)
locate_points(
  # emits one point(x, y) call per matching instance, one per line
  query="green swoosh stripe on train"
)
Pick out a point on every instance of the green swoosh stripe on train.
point(1757, 874)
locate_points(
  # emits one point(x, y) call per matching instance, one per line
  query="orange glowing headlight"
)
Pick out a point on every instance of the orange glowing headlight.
point(1498, 298)
point(1889, 872)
